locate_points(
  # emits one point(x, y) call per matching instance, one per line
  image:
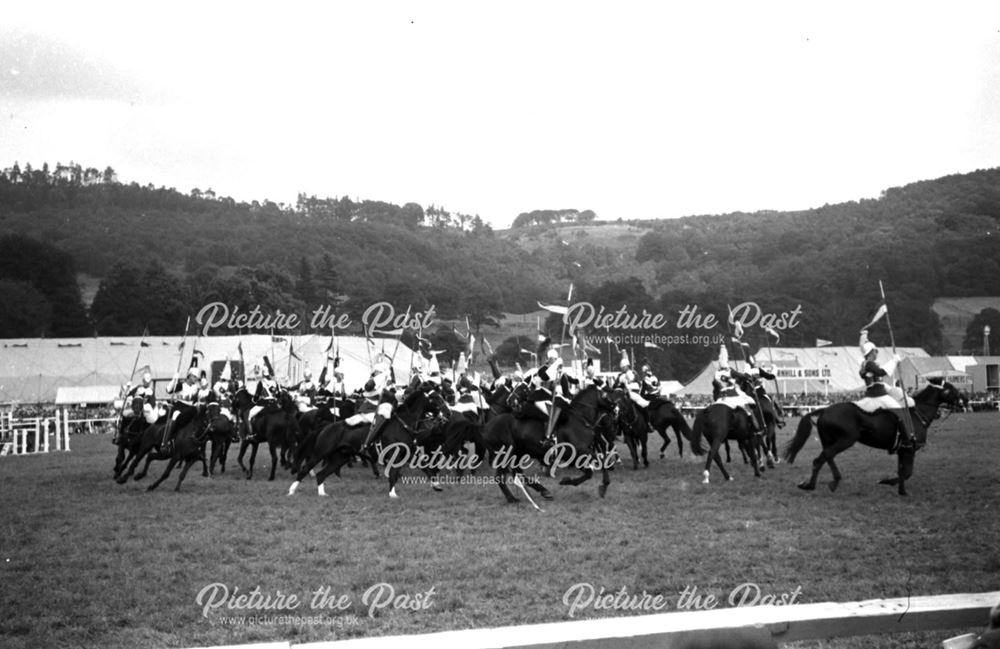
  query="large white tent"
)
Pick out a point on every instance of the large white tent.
point(33, 369)
point(807, 369)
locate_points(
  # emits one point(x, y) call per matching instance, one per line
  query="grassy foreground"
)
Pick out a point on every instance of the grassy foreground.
point(85, 562)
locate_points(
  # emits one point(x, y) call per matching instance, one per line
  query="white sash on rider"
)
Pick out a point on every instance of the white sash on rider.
point(464, 407)
point(360, 418)
point(638, 400)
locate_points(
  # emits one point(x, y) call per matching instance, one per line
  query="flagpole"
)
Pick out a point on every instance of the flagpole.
point(892, 340)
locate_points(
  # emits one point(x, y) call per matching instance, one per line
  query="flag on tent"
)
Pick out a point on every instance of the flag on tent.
point(277, 339)
point(227, 372)
point(291, 352)
point(823, 343)
point(879, 313)
point(462, 365)
point(142, 370)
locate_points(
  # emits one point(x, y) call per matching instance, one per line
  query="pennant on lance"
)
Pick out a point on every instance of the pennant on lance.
point(879, 314)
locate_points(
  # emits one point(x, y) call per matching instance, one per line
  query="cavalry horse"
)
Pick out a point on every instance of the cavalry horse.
point(768, 415)
point(843, 424)
point(326, 410)
point(635, 422)
point(187, 448)
point(336, 444)
point(718, 423)
point(128, 436)
point(276, 424)
point(584, 429)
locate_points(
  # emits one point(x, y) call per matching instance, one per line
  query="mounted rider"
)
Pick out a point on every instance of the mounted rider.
point(469, 401)
point(757, 375)
point(379, 395)
point(726, 389)
point(146, 392)
point(265, 396)
point(649, 387)
point(306, 391)
point(184, 408)
point(877, 395)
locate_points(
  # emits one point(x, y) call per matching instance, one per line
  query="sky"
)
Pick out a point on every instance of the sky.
point(634, 110)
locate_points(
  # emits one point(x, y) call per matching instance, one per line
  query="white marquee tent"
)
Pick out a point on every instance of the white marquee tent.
point(33, 369)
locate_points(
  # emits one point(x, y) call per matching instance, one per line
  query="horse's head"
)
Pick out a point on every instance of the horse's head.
point(593, 397)
point(136, 406)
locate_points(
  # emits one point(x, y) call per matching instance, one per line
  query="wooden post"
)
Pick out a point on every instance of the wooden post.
point(45, 437)
point(38, 435)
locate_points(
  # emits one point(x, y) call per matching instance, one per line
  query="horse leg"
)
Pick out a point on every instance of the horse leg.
point(633, 451)
point(585, 474)
point(602, 490)
point(393, 476)
point(304, 471)
point(539, 487)
point(903, 473)
point(713, 453)
point(274, 459)
point(644, 442)
point(253, 460)
point(239, 457)
point(322, 475)
point(502, 483)
point(729, 457)
point(184, 470)
point(145, 467)
point(825, 456)
point(170, 467)
point(204, 461)
point(756, 461)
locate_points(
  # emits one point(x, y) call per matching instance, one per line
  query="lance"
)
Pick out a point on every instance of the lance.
point(177, 374)
point(121, 409)
point(902, 385)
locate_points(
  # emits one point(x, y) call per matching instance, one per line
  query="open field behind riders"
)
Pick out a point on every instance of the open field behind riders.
point(87, 562)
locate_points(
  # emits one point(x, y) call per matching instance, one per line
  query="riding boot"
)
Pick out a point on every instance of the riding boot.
point(551, 425)
point(906, 437)
point(167, 443)
point(373, 432)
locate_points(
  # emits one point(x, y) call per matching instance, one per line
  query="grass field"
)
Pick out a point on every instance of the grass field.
point(85, 562)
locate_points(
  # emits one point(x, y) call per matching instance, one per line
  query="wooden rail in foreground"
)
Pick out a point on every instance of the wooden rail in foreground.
point(733, 628)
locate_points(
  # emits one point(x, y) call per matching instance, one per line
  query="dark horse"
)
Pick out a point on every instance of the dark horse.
point(717, 423)
point(275, 424)
point(768, 415)
point(584, 438)
point(128, 436)
point(634, 422)
point(188, 447)
point(843, 424)
point(336, 444)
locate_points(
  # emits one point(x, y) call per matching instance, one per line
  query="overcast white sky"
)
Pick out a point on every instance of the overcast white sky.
point(631, 109)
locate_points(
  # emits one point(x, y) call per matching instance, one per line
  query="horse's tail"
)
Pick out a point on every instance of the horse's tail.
point(801, 436)
point(695, 433)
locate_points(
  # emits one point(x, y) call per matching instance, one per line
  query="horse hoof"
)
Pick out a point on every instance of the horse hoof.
point(566, 481)
point(730, 478)
point(393, 494)
point(150, 487)
point(833, 485)
point(602, 490)
point(805, 486)
point(438, 487)
point(513, 501)
point(547, 496)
